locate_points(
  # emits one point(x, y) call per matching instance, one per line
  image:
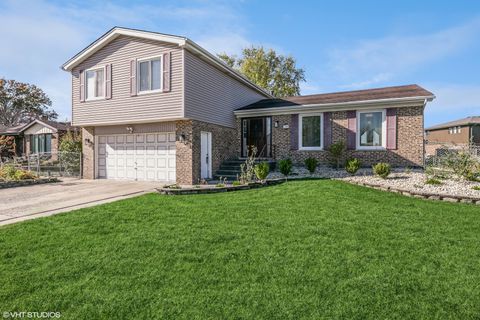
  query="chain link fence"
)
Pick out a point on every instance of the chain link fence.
point(438, 153)
point(49, 164)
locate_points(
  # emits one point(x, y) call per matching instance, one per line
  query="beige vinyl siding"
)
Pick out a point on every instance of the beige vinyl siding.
point(123, 108)
point(38, 129)
point(137, 128)
point(211, 95)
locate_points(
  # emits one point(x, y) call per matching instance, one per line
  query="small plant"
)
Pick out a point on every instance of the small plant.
point(220, 185)
point(433, 181)
point(352, 166)
point(336, 152)
point(476, 188)
point(382, 169)
point(311, 164)
point(285, 166)
point(196, 186)
point(262, 170)
point(174, 186)
point(236, 183)
point(408, 170)
point(247, 169)
point(11, 173)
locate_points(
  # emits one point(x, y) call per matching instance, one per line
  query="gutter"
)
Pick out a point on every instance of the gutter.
point(337, 106)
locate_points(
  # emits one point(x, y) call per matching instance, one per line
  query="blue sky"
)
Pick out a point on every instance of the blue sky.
point(342, 45)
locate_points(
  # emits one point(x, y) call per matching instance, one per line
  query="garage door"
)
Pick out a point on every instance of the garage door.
point(141, 156)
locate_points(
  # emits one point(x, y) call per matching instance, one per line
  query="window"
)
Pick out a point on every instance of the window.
point(95, 84)
point(310, 132)
point(454, 129)
point(450, 130)
point(371, 129)
point(40, 143)
point(459, 129)
point(149, 75)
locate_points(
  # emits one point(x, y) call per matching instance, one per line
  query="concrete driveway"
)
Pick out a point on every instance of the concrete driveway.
point(24, 203)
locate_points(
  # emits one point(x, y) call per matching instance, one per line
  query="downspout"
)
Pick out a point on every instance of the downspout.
point(423, 132)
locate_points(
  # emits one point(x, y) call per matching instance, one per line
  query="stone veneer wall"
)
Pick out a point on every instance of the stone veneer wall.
point(224, 147)
point(88, 153)
point(409, 150)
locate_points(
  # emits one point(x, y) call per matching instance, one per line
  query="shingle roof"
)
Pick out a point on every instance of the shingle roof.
point(408, 91)
point(61, 126)
point(460, 122)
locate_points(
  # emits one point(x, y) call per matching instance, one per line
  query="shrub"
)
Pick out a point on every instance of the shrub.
point(247, 169)
point(311, 164)
point(476, 188)
point(463, 164)
point(382, 169)
point(262, 170)
point(352, 166)
point(236, 183)
point(10, 173)
point(70, 153)
point(433, 181)
point(336, 152)
point(285, 166)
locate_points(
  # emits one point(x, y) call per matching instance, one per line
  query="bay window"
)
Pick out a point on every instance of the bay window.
point(310, 132)
point(149, 75)
point(371, 129)
point(95, 84)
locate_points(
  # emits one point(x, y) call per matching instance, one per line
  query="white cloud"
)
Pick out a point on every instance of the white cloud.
point(379, 60)
point(453, 101)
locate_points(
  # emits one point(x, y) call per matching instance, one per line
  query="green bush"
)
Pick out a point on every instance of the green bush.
point(11, 173)
point(285, 166)
point(262, 170)
point(236, 183)
point(336, 152)
point(463, 164)
point(352, 165)
point(433, 181)
point(476, 188)
point(382, 169)
point(311, 164)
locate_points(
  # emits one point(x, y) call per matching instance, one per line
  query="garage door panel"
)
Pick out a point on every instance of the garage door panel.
point(148, 156)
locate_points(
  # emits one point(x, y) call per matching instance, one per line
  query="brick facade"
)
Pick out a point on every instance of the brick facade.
point(409, 151)
point(188, 163)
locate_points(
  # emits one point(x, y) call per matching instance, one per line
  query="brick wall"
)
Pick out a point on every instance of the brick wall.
point(409, 150)
point(88, 154)
point(188, 162)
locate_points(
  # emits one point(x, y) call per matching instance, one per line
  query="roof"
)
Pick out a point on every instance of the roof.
point(387, 93)
point(473, 120)
point(56, 126)
point(181, 41)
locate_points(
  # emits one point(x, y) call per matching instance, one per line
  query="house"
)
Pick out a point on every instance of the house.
point(154, 106)
point(37, 136)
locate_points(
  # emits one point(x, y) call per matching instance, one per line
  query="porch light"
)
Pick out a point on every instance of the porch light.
point(182, 138)
point(276, 124)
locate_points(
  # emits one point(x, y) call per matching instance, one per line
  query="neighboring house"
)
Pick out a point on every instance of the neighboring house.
point(37, 136)
point(159, 107)
point(453, 134)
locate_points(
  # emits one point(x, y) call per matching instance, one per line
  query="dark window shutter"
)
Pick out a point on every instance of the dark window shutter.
point(392, 128)
point(108, 81)
point(82, 86)
point(133, 77)
point(327, 129)
point(351, 129)
point(166, 72)
point(294, 132)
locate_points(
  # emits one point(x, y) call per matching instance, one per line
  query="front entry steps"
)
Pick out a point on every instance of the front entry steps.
point(230, 169)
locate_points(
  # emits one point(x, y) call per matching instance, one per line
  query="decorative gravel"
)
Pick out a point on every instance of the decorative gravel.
point(413, 180)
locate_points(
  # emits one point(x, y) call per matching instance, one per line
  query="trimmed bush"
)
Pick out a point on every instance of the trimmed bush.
point(285, 166)
point(382, 169)
point(262, 170)
point(311, 164)
point(352, 166)
point(433, 181)
point(336, 153)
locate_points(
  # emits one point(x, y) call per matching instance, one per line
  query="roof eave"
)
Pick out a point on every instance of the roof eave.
point(338, 106)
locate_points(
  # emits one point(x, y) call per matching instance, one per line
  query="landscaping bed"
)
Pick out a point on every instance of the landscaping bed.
point(28, 182)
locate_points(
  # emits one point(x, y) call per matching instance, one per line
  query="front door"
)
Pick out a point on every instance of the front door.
point(257, 135)
point(206, 155)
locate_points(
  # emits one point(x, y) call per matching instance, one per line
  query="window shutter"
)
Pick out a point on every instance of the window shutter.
point(392, 128)
point(294, 132)
point(108, 81)
point(133, 77)
point(166, 72)
point(82, 86)
point(351, 129)
point(327, 129)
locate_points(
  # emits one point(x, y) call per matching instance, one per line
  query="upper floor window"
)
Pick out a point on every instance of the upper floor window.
point(310, 131)
point(149, 74)
point(371, 133)
point(95, 84)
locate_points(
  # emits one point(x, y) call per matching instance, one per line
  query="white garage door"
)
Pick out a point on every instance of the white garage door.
point(139, 156)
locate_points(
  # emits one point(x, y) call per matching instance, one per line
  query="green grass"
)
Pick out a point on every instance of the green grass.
point(303, 249)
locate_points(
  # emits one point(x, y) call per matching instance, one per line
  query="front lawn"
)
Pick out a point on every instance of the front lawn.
point(303, 249)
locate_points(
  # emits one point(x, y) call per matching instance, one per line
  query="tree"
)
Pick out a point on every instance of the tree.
point(277, 74)
point(22, 102)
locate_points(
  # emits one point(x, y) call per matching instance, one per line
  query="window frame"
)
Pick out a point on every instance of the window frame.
point(150, 59)
point(86, 83)
point(383, 145)
point(300, 131)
